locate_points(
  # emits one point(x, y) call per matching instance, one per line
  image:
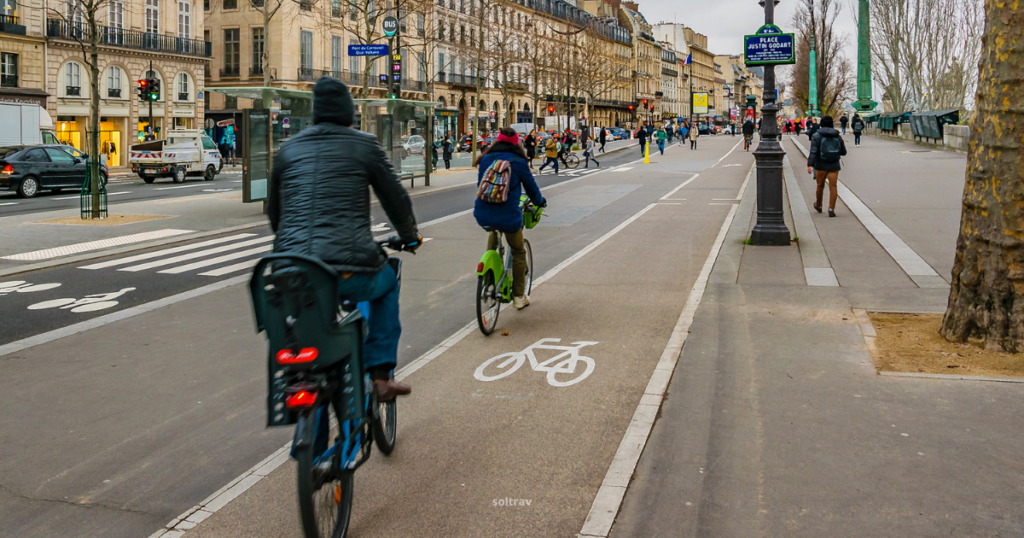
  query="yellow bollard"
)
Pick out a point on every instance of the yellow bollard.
point(647, 153)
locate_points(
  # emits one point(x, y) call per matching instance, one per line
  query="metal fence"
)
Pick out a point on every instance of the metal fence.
point(129, 39)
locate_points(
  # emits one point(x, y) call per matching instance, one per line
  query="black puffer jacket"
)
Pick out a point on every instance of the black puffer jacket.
point(320, 189)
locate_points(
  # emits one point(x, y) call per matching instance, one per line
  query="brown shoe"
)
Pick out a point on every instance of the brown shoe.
point(388, 389)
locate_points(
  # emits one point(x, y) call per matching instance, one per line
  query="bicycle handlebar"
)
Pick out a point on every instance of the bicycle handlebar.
point(396, 244)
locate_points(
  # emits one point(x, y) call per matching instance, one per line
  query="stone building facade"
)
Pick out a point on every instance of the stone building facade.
point(23, 53)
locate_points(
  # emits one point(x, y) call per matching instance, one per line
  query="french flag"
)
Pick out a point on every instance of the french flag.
point(689, 59)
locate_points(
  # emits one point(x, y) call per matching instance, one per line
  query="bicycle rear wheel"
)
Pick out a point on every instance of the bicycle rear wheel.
point(325, 494)
point(487, 304)
point(572, 161)
point(385, 426)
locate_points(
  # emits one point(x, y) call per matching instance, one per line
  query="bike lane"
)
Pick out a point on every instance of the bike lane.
point(518, 456)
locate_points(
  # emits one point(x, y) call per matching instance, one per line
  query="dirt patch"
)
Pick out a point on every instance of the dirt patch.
point(911, 343)
point(111, 220)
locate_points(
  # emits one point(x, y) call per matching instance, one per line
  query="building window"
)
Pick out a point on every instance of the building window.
point(336, 8)
point(419, 25)
point(184, 19)
point(257, 51)
point(422, 60)
point(73, 12)
point(231, 52)
point(230, 4)
point(183, 86)
point(116, 14)
point(353, 61)
point(8, 70)
point(114, 82)
point(306, 50)
point(9, 9)
point(335, 56)
point(153, 16)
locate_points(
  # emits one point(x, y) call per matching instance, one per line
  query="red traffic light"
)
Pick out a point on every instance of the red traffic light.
point(630, 108)
point(645, 103)
point(142, 83)
point(551, 110)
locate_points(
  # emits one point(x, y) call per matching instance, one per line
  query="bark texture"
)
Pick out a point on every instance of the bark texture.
point(987, 295)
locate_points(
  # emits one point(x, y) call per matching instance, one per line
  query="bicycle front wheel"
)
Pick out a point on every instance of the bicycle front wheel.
point(572, 161)
point(487, 304)
point(325, 494)
point(529, 266)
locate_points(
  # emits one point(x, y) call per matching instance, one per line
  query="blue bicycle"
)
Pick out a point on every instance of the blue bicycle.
point(317, 383)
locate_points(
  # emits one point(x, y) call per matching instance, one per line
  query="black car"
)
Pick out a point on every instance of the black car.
point(29, 169)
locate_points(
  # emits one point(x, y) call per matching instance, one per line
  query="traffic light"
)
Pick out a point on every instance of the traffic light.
point(143, 89)
point(631, 109)
point(645, 103)
point(652, 108)
point(551, 110)
point(153, 89)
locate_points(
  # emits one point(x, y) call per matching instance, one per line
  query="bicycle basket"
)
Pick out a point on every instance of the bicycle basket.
point(295, 301)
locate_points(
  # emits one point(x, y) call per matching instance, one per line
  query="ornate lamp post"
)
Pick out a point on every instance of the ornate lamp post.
point(771, 226)
point(864, 90)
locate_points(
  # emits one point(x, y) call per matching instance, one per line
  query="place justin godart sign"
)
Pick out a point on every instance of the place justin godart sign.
point(769, 46)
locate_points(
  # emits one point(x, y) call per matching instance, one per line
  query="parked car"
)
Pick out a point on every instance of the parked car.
point(617, 133)
point(184, 153)
point(415, 145)
point(30, 169)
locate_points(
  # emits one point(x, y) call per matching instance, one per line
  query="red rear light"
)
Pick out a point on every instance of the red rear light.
point(480, 267)
point(302, 398)
point(307, 354)
point(7, 170)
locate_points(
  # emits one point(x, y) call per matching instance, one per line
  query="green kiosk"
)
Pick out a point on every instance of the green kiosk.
point(403, 128)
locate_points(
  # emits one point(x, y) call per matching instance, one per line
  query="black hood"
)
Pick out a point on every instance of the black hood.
point(827, 131)
point(332, 102)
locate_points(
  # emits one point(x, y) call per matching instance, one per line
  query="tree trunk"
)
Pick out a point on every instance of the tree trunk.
point(266, 47)
point(93, 136)
point(987, 296)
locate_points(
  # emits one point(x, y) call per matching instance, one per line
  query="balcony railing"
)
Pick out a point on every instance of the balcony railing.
point(414, 85)
point(455, 78)
point(129, 39)
point(229, 72)
point(8, 19)
point(9, 81)
point(114, 93)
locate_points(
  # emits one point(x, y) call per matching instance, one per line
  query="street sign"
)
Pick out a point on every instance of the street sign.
point(367, 50)
point(700, 103)
point(383, 79)
point(769, 47)
point(390, 25)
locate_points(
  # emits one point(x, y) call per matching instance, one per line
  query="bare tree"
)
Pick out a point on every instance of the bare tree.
point(987, 290)
point(835, 73)
point(81, 19)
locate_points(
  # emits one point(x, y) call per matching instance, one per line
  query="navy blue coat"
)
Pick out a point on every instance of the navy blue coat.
point(506, 217)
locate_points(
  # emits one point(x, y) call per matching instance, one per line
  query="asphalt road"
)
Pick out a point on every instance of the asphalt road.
point(120, 189)
point(129, 424)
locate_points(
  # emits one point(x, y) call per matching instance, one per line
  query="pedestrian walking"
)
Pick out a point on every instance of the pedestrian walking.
point(668, 133)
point(799, 126)
point(812, 128)
point(530, 145)
point(446, 153)
point(843, 121)
point(660, 136)
point(694, 133)
point(858, 128)
point(683, 131)
point(825, 162)
point(603, 138)
point(433, 156)
point(589, 154)
point(551, 152)
point(643, 136)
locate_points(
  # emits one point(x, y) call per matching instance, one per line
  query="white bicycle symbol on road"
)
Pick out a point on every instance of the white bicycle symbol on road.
point(565, 362)
point(89, 303)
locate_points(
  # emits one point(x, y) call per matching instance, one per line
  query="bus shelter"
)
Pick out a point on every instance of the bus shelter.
point(403, 128)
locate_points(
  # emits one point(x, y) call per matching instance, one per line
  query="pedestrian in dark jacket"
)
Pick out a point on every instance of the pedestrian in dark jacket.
point(530, 145)
point(858, 128)
point(319, 206)
point(603, 138)
point(446, 152)
point(824, 161)
point(507, 217)
point(643, 136)
point(812, 128)
point(843, 121)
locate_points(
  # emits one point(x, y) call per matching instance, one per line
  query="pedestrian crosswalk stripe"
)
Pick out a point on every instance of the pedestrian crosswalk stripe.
point(164, 252)
point(94, 245)
point(215, 261)
point(194, 255)
point(221, 271)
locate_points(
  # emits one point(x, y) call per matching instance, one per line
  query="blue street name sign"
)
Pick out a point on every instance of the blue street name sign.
point(769, 47)
point(367, 50)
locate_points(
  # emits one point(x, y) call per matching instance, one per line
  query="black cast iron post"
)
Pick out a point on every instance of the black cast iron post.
point(771, 225)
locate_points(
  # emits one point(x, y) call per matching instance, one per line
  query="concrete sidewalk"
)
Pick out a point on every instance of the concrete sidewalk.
point(776, 423)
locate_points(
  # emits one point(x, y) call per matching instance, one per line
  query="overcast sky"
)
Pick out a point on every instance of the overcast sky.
point(725, 22)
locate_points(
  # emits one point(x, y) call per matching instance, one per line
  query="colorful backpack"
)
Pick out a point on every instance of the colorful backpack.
point(494, 186)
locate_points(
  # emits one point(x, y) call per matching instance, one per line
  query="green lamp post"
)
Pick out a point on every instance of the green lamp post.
point(812, 78)
point(864, 90)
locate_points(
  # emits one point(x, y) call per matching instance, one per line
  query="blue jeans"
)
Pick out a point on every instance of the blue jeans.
point(856, 137)
point(549, 160)
point(643, 147)
point(661, 146)
point(377, 295)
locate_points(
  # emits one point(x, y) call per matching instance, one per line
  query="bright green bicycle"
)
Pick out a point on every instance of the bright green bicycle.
point(494, 272)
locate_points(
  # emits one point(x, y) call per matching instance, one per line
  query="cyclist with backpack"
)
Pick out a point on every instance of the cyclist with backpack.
point(502, 175)
point(824, 161)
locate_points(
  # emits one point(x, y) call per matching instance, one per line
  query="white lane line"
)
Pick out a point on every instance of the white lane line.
point(237, 181)
point(609, 497)
point(683, 184)
point(621, 169)
point(718, 203)
point(77, 196)
point(221, 271)
point(164, 252)
point(9, 203)
point(94, 245)
point(907, 258)
point(179, 187)
point(672, 199)
point(176, 529)
point(727, 154)
point(107, 319)
point(217, 260)
point(194, 255)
